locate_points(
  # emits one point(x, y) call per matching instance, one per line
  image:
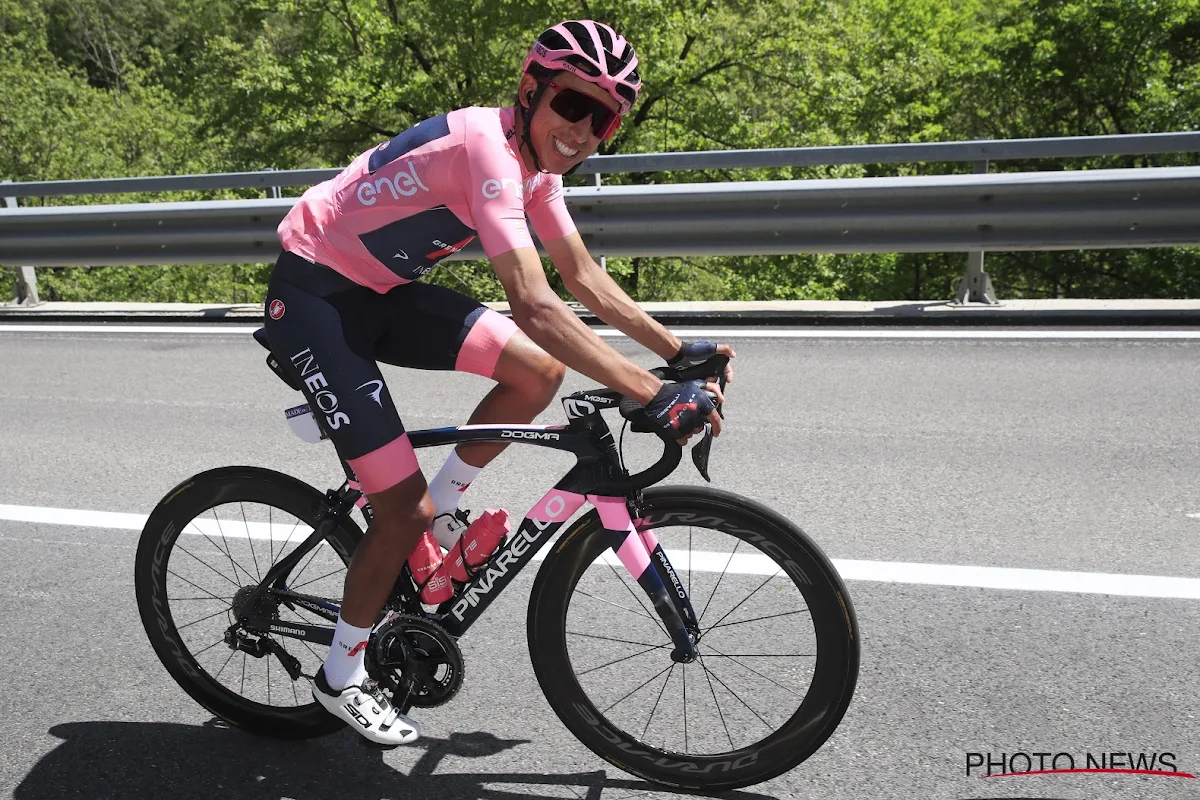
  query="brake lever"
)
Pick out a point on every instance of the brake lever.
point(701, 450)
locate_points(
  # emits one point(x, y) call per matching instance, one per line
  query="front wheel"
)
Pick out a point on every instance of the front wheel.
point(778, 645)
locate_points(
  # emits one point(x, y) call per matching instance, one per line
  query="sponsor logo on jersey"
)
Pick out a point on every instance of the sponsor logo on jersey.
point(401, 184)
point(492, 187)
point(277, 308)
point(447, 249)
point(374, 394)
point(314, 379)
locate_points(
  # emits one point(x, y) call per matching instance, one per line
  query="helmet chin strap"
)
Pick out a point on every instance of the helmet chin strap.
point(526, 118)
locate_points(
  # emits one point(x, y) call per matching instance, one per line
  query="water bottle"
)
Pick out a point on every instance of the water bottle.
point(425, 562)
point(476, 545)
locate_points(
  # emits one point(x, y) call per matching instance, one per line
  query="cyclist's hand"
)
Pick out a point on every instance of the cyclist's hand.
point(681, 409)
point(692, 353)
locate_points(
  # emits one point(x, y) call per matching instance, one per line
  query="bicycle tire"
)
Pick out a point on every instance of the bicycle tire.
point(836, 665)
point(178, 508)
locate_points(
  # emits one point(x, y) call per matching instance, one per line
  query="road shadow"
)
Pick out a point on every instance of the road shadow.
point(136, 760)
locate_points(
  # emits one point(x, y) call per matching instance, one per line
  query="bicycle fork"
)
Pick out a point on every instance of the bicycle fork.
point(647, 562)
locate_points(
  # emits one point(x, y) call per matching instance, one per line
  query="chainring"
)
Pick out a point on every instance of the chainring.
point(416, 660)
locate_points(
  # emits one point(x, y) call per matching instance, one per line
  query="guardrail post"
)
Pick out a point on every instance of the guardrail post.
point(603, 260)
point(273, 191)
point(27, 294)
point(976, 286)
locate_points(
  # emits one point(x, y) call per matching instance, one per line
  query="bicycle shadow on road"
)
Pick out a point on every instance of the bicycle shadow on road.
point(137, 759)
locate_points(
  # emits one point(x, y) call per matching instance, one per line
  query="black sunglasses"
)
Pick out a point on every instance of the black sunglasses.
point(573, 105)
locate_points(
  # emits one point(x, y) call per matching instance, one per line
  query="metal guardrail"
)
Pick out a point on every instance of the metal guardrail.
point(973, 151)
point(1024, 211)
point(1018, 211)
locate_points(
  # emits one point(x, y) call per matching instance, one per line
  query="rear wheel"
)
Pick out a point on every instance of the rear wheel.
point(778, 644)
point(205, 547)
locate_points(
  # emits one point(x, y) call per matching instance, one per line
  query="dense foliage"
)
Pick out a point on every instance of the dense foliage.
point(92, 88)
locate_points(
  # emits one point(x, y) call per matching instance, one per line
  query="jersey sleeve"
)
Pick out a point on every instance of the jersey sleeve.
point(494, 194)
point(547, 210)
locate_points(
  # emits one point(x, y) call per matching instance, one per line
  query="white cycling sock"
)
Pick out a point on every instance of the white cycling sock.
point(346, 663)
point(451, 481)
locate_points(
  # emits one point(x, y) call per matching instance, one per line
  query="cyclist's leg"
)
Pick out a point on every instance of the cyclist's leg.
point(440, 329)
point(325, 337)
point(320, 330)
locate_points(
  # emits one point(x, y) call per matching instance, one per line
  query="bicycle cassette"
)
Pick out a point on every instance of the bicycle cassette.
point(416, 660)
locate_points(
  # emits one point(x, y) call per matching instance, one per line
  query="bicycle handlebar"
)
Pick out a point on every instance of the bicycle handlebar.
point(633, 411)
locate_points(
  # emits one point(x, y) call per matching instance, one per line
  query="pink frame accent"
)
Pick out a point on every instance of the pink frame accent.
point(614, 515)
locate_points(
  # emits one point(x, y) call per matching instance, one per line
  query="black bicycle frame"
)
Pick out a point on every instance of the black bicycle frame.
point(597, 477)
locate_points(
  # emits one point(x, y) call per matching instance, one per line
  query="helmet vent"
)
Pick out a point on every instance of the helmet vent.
point(583, 37)
point(606, 40)
point(555, 40)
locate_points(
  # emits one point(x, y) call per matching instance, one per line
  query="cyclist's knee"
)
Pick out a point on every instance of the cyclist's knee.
point(528, 369)
point(551, 372)
point(403, 508)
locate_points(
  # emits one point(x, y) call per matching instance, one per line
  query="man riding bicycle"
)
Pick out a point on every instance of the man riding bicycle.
point(345, 295)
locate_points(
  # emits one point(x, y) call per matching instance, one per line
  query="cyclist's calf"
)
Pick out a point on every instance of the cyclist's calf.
point(401, 514)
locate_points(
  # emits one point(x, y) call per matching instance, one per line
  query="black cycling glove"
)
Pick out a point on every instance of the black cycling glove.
point(680, 409)
point(692, 353)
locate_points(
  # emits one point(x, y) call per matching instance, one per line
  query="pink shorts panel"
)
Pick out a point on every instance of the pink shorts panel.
point(481, 349)
point(383, 468)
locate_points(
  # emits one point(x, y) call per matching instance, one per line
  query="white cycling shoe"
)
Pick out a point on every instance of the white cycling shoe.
point(366, 709)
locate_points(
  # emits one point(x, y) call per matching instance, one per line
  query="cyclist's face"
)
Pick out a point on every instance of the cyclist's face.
point(562, 144)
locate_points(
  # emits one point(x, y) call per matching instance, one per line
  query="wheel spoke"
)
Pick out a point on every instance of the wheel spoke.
point(296, 575)
point(206, 649)
point(617, 605)
point(720, 578)
point(756, 619)
point(644, 683)
point(625, 658)
point(198, 588)
point(639, 600)
point(720, 714)
point(735, 694)
point(314, 580)
point(206, 564)
point(767, 655)
point(225, 551)
point(683, 672)
point(609, 639)
point(249, 538)
point(756, 672)
point(193, 622)
point(670, 671)
point(232, 653)
point(747, 597)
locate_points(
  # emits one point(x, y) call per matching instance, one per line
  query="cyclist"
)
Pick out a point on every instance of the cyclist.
point(345, 295)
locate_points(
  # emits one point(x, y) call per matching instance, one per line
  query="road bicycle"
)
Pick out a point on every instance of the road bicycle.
point(642, 621)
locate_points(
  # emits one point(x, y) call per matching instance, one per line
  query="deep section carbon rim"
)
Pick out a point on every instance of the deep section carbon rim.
point(204, 550)
point(757, 646)
point(778, 652)
point(222, 555)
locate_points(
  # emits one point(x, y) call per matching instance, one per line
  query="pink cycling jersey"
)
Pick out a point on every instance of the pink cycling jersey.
point(405, 205)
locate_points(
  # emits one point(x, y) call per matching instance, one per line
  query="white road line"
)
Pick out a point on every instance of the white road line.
point(1029, 580)
point(224, 329)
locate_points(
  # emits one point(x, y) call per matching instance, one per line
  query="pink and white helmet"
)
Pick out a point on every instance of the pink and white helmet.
point(594, 52)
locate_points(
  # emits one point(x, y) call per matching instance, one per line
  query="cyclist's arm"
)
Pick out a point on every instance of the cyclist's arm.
point(594, 288)
point(548, 321)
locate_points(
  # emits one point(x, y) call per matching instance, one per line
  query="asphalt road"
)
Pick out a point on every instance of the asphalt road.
point(1076, 455)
